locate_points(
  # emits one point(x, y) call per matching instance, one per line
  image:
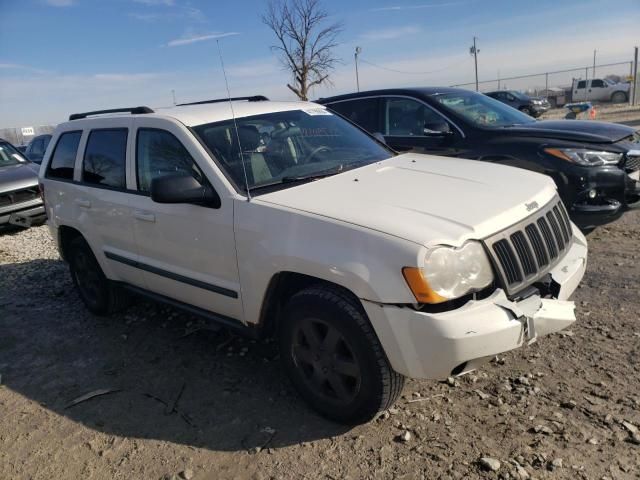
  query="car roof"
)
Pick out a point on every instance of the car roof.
point(199, 114)
point(408, 91)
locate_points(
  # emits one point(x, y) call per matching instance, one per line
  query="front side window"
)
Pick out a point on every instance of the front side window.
point(159, 154)
point(597, 84)
point(9, 155)
point(363, 112)
point(405, 117)
point(481, 110)
point(63, 158)
point(287, 147)
point(105, 158)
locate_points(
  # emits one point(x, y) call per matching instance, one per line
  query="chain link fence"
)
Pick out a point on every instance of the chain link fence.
point(557, 85)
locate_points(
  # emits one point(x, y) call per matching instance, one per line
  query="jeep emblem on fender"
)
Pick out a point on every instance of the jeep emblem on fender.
point(531, 206)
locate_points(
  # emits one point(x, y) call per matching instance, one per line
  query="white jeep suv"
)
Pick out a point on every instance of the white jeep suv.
point(287, 220)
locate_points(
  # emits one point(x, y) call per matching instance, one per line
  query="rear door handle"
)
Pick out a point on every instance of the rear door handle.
point(144, 216)
point(82, 203)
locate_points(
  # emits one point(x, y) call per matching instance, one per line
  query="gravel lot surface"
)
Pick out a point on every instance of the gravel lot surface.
point(186, 402)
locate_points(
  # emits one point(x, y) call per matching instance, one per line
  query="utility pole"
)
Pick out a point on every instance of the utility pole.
point(635, 77)
point(358, 50)
point(173, 94)
point(594, 64)
point(474, 51)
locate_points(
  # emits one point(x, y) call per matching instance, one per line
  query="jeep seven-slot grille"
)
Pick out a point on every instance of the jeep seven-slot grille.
point(525, 252)
point(18, 196)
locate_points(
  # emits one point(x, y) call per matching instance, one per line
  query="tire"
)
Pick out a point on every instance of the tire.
point(526, 110)
point(334, 358)
point(100, 295)
point(618, 97)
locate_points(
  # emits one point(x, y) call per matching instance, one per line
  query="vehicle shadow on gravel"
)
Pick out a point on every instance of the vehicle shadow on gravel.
point(168, 377)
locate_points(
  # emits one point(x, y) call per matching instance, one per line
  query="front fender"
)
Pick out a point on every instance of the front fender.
point(272, 239)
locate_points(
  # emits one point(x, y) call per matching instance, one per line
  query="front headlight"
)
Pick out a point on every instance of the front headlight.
point(450, 273)
point(584, 156)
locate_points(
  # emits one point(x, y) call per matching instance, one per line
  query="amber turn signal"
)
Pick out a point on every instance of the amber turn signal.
point(420, 287)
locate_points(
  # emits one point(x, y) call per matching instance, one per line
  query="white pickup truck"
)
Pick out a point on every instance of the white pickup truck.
point(287, 220)
point(599, 90)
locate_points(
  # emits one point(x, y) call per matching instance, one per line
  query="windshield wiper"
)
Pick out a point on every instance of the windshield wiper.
point(313, 176)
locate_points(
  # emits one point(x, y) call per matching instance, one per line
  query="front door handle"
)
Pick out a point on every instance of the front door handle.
point(82, 203)
point(144, 216)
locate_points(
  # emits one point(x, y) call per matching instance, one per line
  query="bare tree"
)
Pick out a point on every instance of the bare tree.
point(305, 41)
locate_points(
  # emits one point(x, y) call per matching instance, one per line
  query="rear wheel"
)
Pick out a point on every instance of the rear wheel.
point(618, 97)
point(99, 294)
point(334, 358)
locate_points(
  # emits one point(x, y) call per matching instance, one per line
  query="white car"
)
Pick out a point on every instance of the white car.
point(368, 266)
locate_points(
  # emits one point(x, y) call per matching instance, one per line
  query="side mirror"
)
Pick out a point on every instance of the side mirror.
point(438, 129)
point(183, 189)
point(378, 136)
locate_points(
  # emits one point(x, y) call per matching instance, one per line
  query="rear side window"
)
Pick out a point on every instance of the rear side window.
point(63, 158)
point(364, 113)
point(581, 84)
point(159, 154)
point(105, 158)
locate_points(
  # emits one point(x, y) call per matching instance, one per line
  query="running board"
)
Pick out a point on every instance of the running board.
point(227, 322)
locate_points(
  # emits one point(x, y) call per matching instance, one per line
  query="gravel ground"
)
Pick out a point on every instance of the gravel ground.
point(182, 401)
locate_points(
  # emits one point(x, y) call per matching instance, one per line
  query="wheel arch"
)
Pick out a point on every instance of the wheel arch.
point(282, 286)
point(66, 235)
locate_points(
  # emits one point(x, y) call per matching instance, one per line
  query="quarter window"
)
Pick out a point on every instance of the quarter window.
point(105, 158)
point(63, 158)
point(160, 154)
point(362, 112)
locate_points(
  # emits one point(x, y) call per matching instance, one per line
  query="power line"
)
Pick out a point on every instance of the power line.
point(408, 73)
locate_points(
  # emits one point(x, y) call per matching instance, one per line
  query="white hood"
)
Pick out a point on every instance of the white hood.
point(426, 199)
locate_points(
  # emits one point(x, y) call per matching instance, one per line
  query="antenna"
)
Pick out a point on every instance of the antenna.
point(235, 124)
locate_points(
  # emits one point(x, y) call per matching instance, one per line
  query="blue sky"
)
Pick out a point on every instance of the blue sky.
point(59, 56)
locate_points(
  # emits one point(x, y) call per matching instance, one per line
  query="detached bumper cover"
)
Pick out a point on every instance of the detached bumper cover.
point(432, 345)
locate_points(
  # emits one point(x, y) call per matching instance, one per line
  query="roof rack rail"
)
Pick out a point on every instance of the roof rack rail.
point(131, 110)
point(255, 98)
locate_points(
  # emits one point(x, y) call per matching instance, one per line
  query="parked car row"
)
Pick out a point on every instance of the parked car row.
point(344, 228)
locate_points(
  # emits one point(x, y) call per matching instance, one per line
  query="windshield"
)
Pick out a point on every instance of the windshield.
point(288, 146)
point(9, 155)
point(518, 95)
point(481, 110)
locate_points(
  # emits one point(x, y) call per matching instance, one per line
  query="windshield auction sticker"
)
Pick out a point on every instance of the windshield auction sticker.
point(317, 111)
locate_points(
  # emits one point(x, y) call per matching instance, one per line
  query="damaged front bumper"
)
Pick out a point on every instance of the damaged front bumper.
point(437, 345)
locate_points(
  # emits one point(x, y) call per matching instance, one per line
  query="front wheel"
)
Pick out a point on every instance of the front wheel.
point(526, 110)
point(333, 356)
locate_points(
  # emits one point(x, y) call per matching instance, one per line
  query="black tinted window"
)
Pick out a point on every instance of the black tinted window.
point(581, 84)
point(361, 112)
point(597, 83)
point(407, 117)
point(37, 147)
point(159, 154)
point(105, 158)
point(64, 156)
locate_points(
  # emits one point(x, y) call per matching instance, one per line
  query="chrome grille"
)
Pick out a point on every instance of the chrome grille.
point(633, 162)
point(18, 196)
point(525, 252)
